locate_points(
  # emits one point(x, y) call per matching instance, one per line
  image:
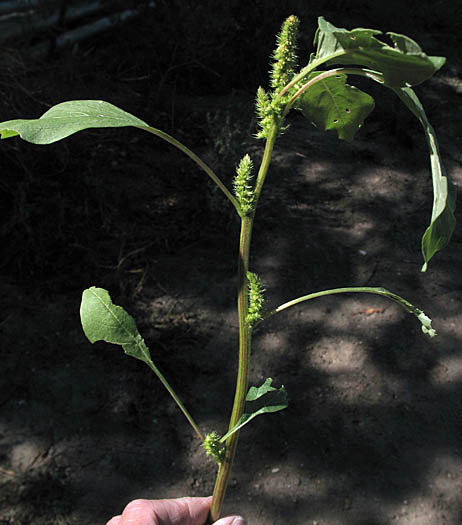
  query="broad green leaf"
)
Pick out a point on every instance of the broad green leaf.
point(104, 321)
point(260, 400)
point(332, 104)
point(67, 118)
point(443, 221)
point(403, 64)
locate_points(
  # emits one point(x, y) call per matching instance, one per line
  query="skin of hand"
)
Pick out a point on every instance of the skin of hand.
point(181, 511)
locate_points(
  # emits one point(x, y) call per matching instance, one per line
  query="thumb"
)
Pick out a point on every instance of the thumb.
point(231, 520)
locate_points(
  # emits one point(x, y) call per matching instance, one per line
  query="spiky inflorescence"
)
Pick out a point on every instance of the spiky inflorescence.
point(285, 55)
point(242, 186)
point(213, 447)
point(256, 299)
point(265, 113)
point(269, 106)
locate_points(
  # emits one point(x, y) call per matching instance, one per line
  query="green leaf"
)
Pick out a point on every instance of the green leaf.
point(443, 221)
point(67, 118)
point(262, 400)
point(332, 104)
point(104, 321)
point(403, 64)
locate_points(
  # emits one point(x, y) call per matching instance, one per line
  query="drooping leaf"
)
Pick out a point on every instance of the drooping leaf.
point(443, 221)
point(260, 400)
point(104, 321)
point(332, 104)
point(67, 118)
point(403, 64)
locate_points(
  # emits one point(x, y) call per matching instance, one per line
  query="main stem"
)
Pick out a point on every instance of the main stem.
point(245, 335)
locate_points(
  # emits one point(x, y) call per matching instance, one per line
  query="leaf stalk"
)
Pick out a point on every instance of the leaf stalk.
point(332, 72)
point(171, 140)
point(177, 400)
point(409, 307)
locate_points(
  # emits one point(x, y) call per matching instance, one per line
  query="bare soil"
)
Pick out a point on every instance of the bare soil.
point(373, 432)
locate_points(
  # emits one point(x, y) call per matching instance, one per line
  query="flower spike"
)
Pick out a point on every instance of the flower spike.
point(285, 55)
point(242, 185)
point(256, 299)
point(270, 107)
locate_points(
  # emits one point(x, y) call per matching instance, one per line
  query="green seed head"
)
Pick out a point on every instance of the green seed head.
point(271, 106)
point(285, 55)
point(213, 447)
point(256, 299)
point(265, 113)
point(243, 188)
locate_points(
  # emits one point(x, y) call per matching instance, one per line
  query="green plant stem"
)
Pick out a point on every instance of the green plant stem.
point(245, 340)
point(245, 335)
point(198, 161)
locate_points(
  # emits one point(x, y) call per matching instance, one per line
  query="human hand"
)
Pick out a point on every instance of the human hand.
point(181, 511)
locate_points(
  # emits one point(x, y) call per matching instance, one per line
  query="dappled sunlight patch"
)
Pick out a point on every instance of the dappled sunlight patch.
point(279, 482)
point(448, 371)
point(353, 315)
point(336, 355)
point(415, 510)
point(445, 475)
point(25, 455)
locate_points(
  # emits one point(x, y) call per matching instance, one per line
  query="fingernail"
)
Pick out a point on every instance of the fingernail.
point(238, 521)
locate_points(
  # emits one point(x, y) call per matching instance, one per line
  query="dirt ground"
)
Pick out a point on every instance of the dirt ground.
point(373, 432)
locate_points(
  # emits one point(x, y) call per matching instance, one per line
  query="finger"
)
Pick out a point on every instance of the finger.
point(182, 511)
point(231, 520)
point(139, 512)
point(114, 521)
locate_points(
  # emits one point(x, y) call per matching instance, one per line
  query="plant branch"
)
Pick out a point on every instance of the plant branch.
point(264, 166)
point(410, 308)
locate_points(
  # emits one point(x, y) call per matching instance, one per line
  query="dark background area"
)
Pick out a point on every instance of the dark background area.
point(83, 428)
point(181, 67)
